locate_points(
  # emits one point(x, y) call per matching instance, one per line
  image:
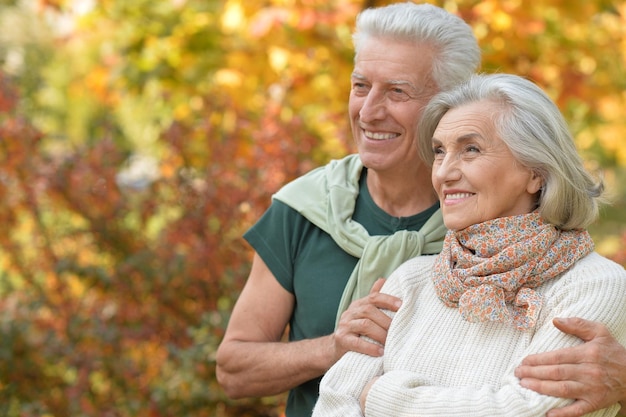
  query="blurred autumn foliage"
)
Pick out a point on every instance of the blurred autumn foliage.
point(139, 140)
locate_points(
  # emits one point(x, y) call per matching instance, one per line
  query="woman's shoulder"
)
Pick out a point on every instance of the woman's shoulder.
point(418, 263)
point(413, 271)
point(594, 271)
point(594, 289)
point(600, 264)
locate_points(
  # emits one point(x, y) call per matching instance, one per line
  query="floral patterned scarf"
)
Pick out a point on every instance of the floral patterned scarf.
point(489, 270)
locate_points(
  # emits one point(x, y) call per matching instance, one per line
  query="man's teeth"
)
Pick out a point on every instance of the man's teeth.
point(380, 136)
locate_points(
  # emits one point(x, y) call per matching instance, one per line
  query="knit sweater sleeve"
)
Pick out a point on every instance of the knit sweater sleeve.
point(343, 384)
point(341, 388)
point(594, 289)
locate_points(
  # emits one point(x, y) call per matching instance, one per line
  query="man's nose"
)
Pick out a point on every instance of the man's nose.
point(374, 107)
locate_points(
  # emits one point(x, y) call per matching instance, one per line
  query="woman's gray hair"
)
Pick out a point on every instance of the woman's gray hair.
point(535, 131)
point(456, 51)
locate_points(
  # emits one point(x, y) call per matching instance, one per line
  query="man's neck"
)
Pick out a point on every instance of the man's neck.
point(400, 197)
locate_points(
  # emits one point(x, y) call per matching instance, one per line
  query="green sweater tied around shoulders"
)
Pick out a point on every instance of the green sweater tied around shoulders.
point(327, 196)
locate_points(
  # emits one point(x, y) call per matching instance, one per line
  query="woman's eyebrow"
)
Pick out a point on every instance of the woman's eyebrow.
point(467, 137)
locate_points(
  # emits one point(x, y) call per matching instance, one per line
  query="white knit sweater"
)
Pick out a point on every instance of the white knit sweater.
point(437, 364)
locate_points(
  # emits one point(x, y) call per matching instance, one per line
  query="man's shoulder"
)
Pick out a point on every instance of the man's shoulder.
point(316, 176)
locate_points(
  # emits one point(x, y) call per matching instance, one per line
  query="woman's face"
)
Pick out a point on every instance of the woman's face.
point(391, 84)
point(474, 173)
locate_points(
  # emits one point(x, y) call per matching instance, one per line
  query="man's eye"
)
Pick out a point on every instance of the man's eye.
point(437, 150)
point(360, 88)
point(398, 94)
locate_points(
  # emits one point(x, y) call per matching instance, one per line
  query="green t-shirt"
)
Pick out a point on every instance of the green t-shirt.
point(309, 264)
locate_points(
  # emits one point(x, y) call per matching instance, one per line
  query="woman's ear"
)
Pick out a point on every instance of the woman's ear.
point(535, 183)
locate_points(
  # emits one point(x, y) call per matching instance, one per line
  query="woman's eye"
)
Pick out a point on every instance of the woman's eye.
point(472, 148)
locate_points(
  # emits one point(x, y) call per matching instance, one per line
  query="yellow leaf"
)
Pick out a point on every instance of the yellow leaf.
point(233, 19)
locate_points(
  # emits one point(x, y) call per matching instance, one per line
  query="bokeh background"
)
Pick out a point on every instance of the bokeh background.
point(140, 139)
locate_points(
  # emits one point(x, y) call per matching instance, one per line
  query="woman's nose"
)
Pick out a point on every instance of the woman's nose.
point(446, 168)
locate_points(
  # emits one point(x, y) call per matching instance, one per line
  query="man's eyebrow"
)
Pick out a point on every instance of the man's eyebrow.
point(404, 83)
point(358, 76)
point(411, 89)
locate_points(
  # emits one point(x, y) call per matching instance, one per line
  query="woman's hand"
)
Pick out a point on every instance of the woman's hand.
point(364, 393)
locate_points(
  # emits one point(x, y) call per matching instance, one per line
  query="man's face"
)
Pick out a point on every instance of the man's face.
point(391, 84)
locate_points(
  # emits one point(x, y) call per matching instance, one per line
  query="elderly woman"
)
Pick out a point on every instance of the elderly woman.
point(516, 200)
